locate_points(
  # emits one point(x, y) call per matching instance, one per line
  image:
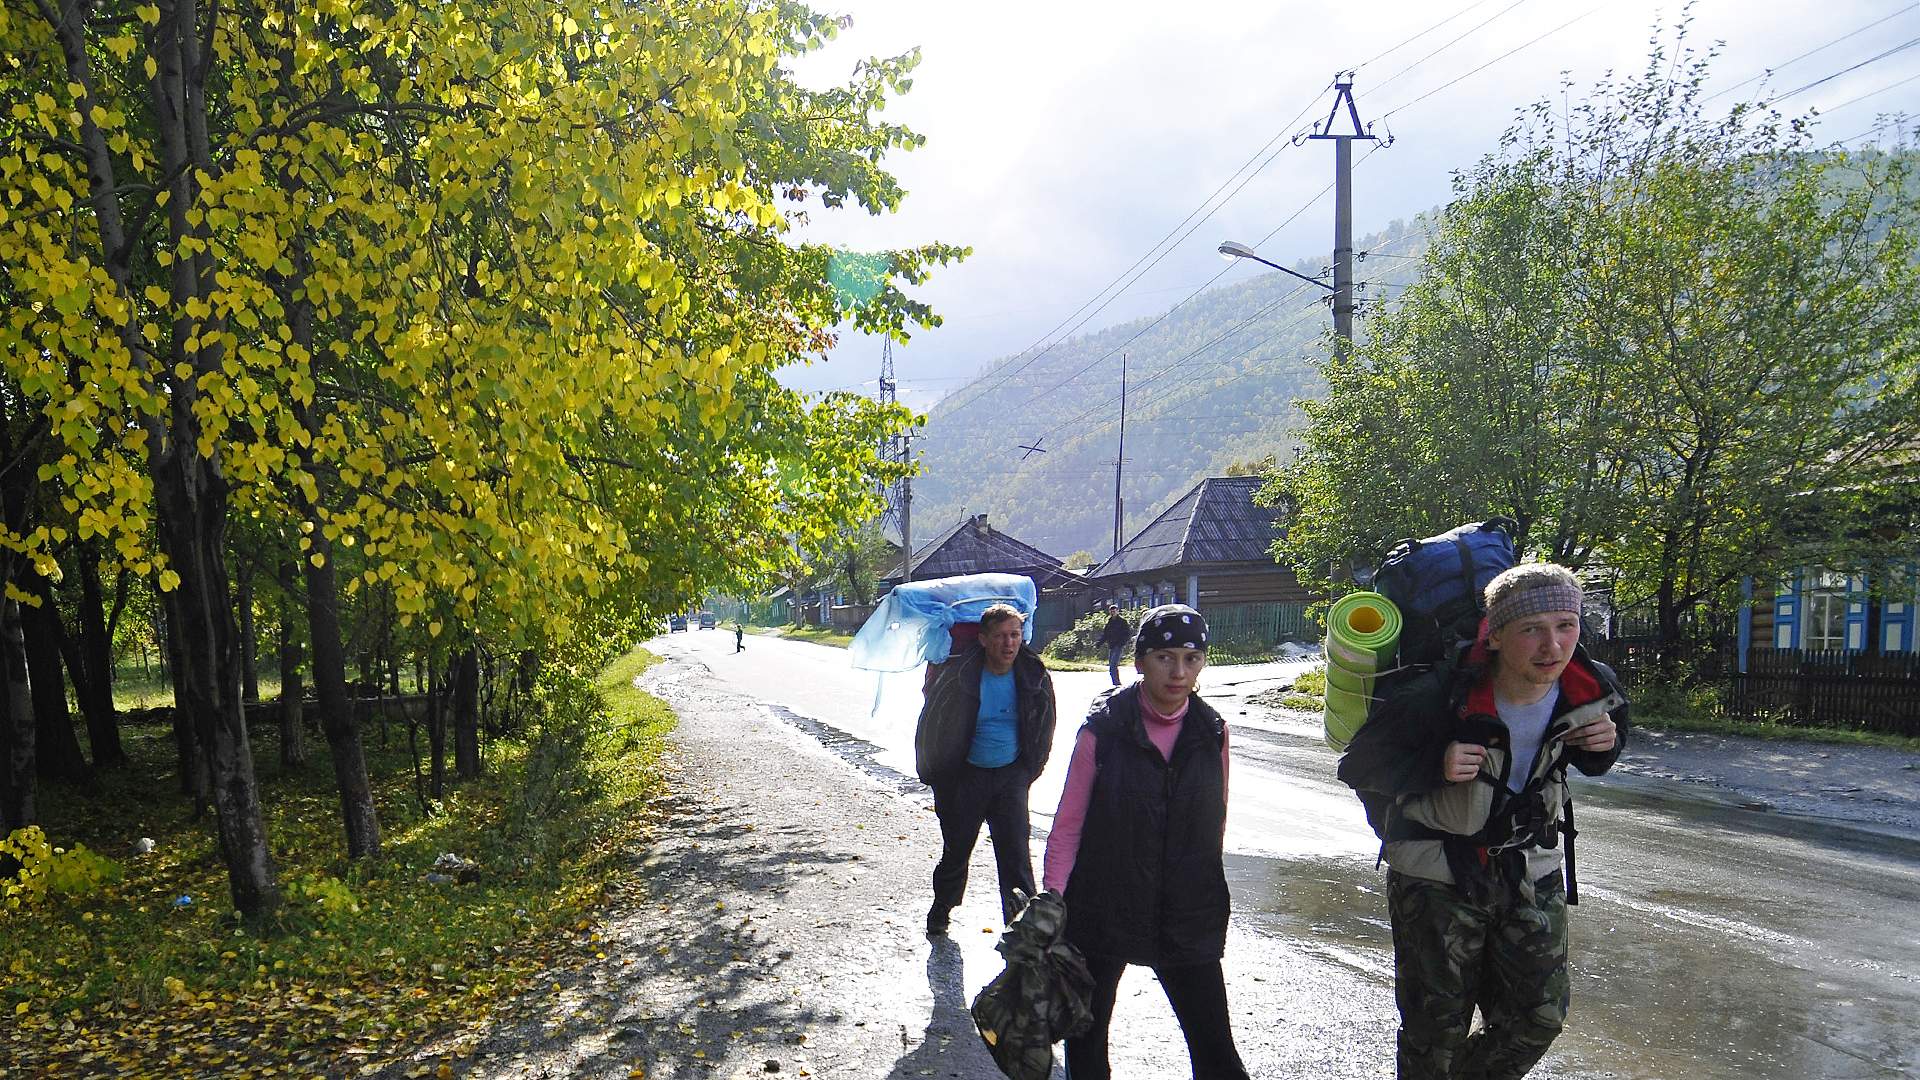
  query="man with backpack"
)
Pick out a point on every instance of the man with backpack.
point(1463, 771)
point(985, 732)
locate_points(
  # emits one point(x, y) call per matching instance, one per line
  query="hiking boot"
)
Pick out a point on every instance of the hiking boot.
point(937, 921)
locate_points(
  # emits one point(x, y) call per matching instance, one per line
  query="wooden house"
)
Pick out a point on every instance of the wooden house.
point(971, 546)
point(1210, 549)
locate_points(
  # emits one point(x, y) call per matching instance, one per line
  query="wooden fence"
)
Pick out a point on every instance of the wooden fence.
point(1839, 689)
point(1828, 689)
point(1261, 625)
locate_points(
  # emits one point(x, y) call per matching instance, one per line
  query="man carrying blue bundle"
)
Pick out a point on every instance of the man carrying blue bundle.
point(984, 736)
point(1468, 763)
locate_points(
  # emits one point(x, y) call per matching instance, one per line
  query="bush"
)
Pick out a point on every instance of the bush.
point(1082, 640)
point(46, 870)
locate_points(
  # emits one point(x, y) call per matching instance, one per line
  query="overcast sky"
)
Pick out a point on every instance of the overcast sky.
point(1065, 138)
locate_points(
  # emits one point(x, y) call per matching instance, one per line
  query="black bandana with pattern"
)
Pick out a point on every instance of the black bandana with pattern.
point(1171, 626)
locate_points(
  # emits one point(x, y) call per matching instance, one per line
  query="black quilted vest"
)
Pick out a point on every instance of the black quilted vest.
point(1148, 886)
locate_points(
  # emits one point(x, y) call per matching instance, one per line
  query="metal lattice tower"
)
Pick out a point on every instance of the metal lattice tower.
point(893, 448)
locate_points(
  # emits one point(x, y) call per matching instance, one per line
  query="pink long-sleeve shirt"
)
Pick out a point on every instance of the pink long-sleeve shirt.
point(1063, 842)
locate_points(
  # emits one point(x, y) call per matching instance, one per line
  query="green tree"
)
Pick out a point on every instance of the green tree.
point(480, 305)
point(1677, 344)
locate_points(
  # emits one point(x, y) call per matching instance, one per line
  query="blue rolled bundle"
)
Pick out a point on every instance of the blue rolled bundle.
point(910, 626)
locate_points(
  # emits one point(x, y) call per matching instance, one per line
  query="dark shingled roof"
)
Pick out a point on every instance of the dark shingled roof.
point(1216, 522)
point(971, 546)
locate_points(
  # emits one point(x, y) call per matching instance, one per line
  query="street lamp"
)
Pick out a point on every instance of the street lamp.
point(1233, 249)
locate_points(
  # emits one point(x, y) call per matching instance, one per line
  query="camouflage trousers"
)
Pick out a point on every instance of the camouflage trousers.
point(1507, 956)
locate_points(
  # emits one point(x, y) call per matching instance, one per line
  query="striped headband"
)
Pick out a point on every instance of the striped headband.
point(1546, 596)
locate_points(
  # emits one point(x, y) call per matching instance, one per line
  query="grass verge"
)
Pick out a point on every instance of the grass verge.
point(819, 635)
point(151, 974)
point(1664, 720)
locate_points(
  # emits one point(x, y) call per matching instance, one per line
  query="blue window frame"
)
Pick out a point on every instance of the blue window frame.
point(1821, 610)
point(1786, 613)
point(1856, 617)
point(1897, 610)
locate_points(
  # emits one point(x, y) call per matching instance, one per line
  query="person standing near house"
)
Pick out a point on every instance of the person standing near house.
point(1136, 847)
point(1469, 763)
point(984, 735)
point(1115, 638)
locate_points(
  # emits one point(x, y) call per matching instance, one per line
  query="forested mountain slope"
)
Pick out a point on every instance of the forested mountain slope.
point(1211, 384)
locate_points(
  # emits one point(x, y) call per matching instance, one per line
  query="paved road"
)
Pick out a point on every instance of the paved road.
point(1714, 940)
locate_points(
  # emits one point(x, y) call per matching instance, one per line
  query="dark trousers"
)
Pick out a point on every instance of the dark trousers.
point(1508, 956)
point(1198, 994)
point(1113, 662)
point(997, 797)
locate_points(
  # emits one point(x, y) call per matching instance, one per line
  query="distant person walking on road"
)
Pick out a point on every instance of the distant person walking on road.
point(1466, 767)
point(1115, 638)
point(739, 637)
point(984, 735)
point(1136, 847)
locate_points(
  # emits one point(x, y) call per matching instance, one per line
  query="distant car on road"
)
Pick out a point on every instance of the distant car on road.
point(708, 620)
point(676, 622)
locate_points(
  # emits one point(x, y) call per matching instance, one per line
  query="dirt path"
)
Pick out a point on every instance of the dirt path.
point(774, 930)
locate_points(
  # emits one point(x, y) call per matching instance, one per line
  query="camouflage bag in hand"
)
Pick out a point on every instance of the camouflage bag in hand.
point(1044, 995)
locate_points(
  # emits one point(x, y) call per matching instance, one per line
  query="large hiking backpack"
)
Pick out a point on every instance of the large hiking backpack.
point(1440, 583)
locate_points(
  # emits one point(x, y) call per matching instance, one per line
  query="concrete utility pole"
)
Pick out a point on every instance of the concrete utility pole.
point(896, 448)
point(1343, 200)
point(1119, 461)
point(906, 514)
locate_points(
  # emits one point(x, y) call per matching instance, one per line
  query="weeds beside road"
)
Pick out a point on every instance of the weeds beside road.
point(149, 974)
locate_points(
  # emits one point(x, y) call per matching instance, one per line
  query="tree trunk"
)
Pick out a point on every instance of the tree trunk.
point(337, 720)
point(190, 761)
point(293, 747)
point(388, 651)
point(437, 730)
point(57, 746)
point(17, 802)
point(93, 676)
point(191, 500)
point(466, 714)
point(1667, 645)
point(336, 712)
point(249, 648)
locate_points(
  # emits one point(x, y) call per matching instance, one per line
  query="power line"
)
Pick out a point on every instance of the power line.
point(1204, 286)
point(1284, 132)
point(1764, 72)
point(1900, 48)
point(1188, 357)
point(1285, 296)
point(1477, 27)
point(1523, 45)
point(1871, 93)
point(1476, 3)
point(1891, 121)
point(1164, 417)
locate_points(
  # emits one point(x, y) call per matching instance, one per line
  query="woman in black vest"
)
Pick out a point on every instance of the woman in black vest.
point(1136, 846)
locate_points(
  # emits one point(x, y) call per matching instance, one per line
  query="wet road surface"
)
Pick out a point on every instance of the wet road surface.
point(1712, 940)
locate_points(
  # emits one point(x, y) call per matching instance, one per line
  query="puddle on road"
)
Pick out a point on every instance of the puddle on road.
point(851, 749)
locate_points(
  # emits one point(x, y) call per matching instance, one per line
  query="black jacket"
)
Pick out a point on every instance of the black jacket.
point(1434, 829)
point(952, 707)
point(1148, 883)
point(1117, 632)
